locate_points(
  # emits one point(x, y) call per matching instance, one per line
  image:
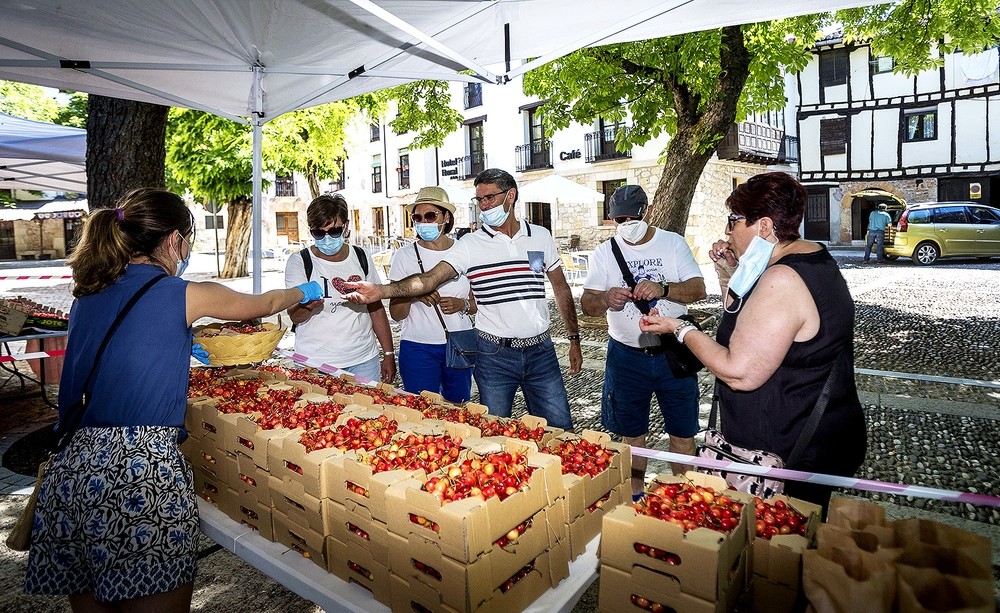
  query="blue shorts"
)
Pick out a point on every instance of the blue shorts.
point(116, 517)
point(631, 377)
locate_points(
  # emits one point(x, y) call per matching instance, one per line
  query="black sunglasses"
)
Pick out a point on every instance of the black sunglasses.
point(332, 232)
point(429, 217)
point(624, 218)
point(732, 219)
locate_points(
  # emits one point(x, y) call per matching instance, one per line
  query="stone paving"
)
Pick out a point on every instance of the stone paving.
point(938, 323)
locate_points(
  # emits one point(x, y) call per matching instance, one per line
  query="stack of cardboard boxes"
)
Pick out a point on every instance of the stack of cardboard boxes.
point(382, 530)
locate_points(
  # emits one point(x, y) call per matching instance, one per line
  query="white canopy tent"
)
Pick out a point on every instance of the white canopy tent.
point(253, 61)
point(42, 156)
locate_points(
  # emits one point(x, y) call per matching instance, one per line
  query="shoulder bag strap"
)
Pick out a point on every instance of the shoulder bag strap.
point(75, 418)
point(809, 429)
point(437, 311)
point(642, 305)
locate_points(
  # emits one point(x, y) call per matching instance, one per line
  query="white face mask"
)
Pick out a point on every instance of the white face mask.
point(632, 231)
point(752, 265)
point(495, 217)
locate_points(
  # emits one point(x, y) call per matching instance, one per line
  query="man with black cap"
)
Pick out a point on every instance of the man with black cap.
point(666, 276)
point(878, 221)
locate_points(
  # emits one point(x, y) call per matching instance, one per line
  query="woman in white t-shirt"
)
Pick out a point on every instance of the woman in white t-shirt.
point(332, 330)
point(422, 336)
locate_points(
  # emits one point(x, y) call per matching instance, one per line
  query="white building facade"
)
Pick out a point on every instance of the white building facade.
point(870, 135)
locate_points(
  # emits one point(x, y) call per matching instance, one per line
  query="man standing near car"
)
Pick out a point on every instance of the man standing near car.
point(668, 277)
point(878, 221)
point(507, 262)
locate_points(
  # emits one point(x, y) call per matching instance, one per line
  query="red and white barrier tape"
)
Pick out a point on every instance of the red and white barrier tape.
point(899, 489)
point(17, 357)
point(27, 277)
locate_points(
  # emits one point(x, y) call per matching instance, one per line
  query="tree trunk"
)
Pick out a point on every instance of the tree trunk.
point(681, 171)
point(125, 148)
point(237, 239)
point(700, 127)
point(313, 180)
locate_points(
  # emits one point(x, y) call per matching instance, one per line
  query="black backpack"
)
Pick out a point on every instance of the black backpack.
point(308, 264)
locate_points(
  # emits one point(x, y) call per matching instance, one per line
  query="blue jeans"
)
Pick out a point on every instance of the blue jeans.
point(422, 367)
point(371, 370)
point(630, 379)
point(500, 370)
point(878, 238)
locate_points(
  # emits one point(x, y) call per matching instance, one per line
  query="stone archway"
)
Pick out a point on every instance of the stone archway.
point(854, 214)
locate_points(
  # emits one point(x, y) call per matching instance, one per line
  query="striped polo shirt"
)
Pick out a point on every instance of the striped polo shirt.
point(507, 276)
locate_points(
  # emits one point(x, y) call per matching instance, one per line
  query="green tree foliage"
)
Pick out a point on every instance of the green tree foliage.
point(917, 33)
point(310, 142)
point(693, 87)
point(423, 107)
point(28, 101)
point(74, 113)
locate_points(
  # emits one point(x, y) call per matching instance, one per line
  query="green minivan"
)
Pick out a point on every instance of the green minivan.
point(927, 231)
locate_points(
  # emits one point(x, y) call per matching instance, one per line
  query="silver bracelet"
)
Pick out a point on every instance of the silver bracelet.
point(681, 331)
point(468, 306)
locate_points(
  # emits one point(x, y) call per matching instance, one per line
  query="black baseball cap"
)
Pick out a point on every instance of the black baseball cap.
point(628, 201)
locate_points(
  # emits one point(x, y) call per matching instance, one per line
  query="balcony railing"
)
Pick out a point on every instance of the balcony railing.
point(789, 150)
point(284, 187)
point(752, 142)
point(600, 145)
point(533, 156)
point(471, 165)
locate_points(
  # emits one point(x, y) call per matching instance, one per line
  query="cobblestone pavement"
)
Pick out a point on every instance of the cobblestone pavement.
point(938, 323)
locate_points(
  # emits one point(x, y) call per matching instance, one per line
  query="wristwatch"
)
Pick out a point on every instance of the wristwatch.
point(666, 288)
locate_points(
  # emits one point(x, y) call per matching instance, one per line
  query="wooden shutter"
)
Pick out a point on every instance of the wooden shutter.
point(833, 136)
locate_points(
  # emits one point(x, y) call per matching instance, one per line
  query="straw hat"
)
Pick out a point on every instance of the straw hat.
point(432, 195)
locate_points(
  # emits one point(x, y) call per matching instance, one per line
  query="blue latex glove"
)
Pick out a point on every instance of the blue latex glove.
point(199, 353)
point(311, 290)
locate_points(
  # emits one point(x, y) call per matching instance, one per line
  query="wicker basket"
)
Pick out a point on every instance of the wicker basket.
point(232, 349)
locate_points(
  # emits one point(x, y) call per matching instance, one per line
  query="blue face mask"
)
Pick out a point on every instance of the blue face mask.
point(495, 217)
point(752, 265)
point(427, 231)
point(183, 264)
point(329, 245)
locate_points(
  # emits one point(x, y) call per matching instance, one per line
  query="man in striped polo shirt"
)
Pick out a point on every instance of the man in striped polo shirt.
point(507, 262)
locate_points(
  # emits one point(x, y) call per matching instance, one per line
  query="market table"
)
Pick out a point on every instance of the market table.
point(7, 357)
point(311, 582)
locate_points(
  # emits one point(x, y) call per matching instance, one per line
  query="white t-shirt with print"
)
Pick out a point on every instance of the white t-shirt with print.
point(507, 276)
point(665, 257)
point(422, 325)
point(341, 333)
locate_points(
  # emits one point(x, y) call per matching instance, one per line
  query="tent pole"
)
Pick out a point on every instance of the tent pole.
point(258, 120)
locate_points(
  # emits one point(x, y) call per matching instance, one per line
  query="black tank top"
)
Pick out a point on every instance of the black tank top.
point(771, 417)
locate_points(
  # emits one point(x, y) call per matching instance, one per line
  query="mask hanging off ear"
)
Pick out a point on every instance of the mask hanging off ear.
point(752, 265)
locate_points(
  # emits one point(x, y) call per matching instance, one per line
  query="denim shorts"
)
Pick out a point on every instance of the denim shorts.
point(116, 517)
point(631, 378)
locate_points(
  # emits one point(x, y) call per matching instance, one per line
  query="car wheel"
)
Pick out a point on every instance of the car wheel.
point(925, 254)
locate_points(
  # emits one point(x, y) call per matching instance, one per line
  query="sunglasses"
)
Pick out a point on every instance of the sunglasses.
point(487, 199)
point(732, 219)
point(428, 217)
point(624, 218)
point(332, 232)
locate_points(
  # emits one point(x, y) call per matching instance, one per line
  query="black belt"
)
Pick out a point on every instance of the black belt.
point(516, 343)
point(654, 350)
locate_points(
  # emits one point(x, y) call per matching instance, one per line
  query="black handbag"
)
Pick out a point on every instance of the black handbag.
point(19, 538)
point(682, 362)
point(461, 346)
